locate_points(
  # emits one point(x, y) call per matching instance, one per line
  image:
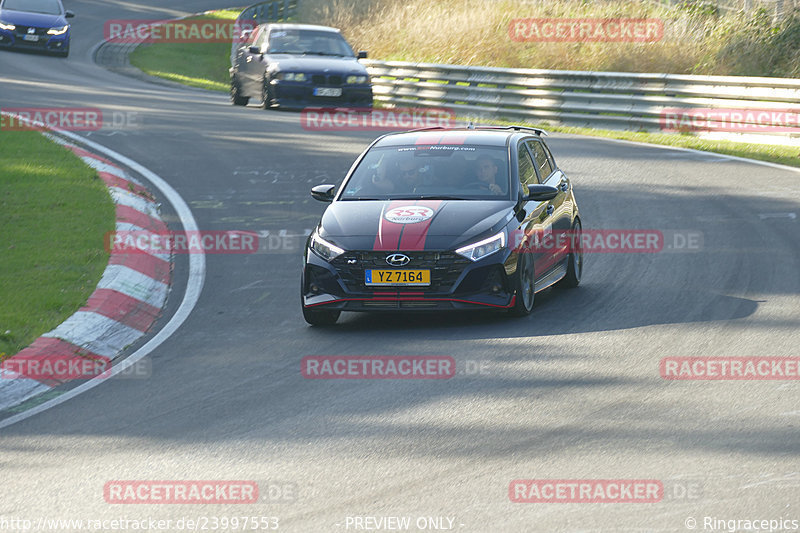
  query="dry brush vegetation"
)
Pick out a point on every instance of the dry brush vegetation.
point(698, 39)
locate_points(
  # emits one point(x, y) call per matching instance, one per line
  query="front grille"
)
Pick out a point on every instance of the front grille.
point(445, 269)
point(380, 304)
point(21, 31)
point(418, 304)
point(333, 80)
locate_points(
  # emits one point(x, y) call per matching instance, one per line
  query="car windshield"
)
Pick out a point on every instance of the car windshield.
point(47, 7)
point(310, 42)
point(439, 171)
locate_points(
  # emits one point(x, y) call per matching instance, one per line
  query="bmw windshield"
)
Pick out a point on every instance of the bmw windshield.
point(459, 172)
point(308, 42)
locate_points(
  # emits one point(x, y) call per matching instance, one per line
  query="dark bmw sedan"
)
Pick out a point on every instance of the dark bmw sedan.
point(443, 219)
point(35, 25)
point(297, 66)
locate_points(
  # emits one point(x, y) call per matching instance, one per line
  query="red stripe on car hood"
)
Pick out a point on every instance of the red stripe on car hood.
point(414, 235)
point(410, 237)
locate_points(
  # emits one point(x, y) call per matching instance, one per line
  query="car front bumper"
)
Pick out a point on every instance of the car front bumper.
point(48, 43)
point(301, 95)
point(459, 284)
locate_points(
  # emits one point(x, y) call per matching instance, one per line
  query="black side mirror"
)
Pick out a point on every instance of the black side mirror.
point(323, 193)
point(541, 193)
point(69, 14)
point(254, 50)
point(362, 54)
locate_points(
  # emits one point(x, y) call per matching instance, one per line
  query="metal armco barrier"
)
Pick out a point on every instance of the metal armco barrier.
point(274, 11)
point(269, 11)
point(607, 100)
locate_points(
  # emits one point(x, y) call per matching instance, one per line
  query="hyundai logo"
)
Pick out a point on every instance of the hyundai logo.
point(31, 30)
point(398, 260)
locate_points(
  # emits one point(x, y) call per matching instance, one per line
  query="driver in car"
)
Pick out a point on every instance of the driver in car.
point(486, 171)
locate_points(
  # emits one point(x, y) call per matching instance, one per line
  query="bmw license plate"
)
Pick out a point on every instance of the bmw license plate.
point(328, 91)
point(397, 277)
point(33, 38)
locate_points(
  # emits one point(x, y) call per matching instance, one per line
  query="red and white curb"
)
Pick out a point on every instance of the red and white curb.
point(127, 301)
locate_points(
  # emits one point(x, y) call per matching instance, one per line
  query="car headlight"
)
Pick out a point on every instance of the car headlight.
point(484, 248)
point(324, 249)
point(292, 76)
point(6, 26)
point(58, 31)
point(356, 80)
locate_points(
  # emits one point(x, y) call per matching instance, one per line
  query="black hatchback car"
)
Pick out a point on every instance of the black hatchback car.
point(443, 219)
point(299, 65)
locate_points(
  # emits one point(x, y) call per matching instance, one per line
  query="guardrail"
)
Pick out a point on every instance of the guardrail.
point(269, 11)
point(608, 100)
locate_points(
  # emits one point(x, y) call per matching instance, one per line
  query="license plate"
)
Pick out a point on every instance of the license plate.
point(397, 277)
point(328, 91)
point(33, 38)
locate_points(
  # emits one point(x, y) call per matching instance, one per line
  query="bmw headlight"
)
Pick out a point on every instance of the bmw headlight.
point(292, 76)
point(6, 26)
point(484, 248)
point(324, 249)
point(356, 80)
point(58, 31)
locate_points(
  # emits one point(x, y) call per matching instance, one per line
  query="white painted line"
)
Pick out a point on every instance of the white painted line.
point(96, 333)
point(693, 151)
point(197, 274)
point(765, 216)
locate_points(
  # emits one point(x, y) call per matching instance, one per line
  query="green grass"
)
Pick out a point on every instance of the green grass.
point(203, 65)
point(55, 212)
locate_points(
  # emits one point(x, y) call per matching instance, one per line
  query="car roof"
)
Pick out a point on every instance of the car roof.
point(283, 26)
point(484, 136)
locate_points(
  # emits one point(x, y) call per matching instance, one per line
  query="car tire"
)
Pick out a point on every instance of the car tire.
point(266, 95)
point(320, 317)
point(575, 259)
point(524, 285)
point(62, 54)
point(236, 93)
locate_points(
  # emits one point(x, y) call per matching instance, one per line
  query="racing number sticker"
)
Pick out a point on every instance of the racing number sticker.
point(410, 214)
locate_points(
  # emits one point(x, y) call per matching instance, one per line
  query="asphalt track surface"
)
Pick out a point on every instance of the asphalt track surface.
point(572, 392)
